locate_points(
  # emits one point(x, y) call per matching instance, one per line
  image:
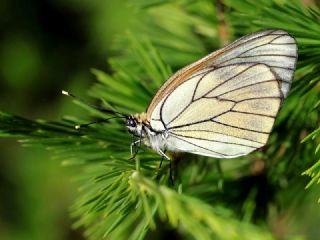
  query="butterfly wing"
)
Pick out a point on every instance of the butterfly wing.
point(224, 105)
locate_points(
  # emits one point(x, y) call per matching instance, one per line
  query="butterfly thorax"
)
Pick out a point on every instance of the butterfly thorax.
point(141, 118)
point(139, 126)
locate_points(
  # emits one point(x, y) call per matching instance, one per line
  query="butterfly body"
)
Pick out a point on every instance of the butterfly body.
point(139, 126)
point(225, 104)
point(162, 140)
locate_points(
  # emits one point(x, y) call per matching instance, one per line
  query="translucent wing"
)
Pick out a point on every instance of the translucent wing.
point(225, 104)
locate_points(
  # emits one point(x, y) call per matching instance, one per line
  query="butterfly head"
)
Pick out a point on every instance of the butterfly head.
point(131, 123)
point(136, 124)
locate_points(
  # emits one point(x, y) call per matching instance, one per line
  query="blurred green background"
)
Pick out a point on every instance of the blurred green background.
point(46, 46)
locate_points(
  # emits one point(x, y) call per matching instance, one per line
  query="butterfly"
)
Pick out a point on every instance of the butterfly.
point(223, 105)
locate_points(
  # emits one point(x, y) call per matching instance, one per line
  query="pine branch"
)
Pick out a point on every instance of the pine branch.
point(198, 219)
point(314, 171)
point(122, 199)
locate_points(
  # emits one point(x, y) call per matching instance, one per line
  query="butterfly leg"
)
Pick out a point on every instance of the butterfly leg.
point(162, 157)
point(170, 166)
point(163, 154)
point(134, 149)
point(161, 162)
point(138, 142)
point(171, 174)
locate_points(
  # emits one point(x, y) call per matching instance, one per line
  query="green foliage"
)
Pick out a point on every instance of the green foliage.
point(314, 171)
point(301, 108)
point(229, 199)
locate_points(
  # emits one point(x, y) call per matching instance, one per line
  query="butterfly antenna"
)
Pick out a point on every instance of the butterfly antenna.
point(97, 121)
point(101, 109)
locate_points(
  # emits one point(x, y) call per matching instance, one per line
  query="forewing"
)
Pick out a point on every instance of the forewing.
point(275, 48)
point(225, 104)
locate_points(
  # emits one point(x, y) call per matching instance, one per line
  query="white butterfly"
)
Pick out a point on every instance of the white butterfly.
point(225, 104)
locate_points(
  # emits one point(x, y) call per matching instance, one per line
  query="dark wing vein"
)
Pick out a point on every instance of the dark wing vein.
point(251, 40)
point(282, 43)
point(249, 85)
point(247, 99)
point(165, 100)
point(251, 62)
point(237, 75)
point(248, 129)
point(248, 50)
point(267, 55)
point(217, 141)
point(184, 140)
point(209, 131)
point(268, 65)
point(251, 113)
point(195, 90)
point(215, 121)
point(189, 124)
point(182, 111)
point(192, 99)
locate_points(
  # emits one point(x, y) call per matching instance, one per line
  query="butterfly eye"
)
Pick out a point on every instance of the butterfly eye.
point(130, 122)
